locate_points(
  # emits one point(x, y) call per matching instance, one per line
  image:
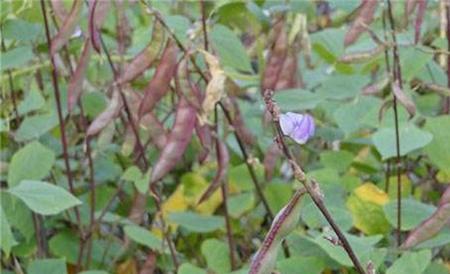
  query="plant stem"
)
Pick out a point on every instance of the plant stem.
point(312, 188)
point(88, 154)
point(62, 127)
point(446, 109)
point(397, 77)
point(228, 117)
point(142, 153)
point(205, 33)
point(250, 168)
point(224, 189)
point(252, 172)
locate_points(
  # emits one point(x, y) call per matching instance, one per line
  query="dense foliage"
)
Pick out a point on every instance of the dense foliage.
point(225, 136)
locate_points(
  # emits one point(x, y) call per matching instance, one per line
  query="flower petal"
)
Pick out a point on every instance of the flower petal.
point(286, 123)
point(300, 127)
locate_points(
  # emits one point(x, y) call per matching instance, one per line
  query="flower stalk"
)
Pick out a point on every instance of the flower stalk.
point(311, 186)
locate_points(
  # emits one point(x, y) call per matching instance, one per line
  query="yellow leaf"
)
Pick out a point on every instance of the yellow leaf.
point(443, 176)
point(371, 193)
point(127, 267)
point(186, 195)
point(366, 206)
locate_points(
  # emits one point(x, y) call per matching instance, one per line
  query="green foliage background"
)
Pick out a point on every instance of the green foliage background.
point(352, 154)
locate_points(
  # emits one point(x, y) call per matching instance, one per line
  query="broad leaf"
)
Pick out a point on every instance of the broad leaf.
point(44, 198)
point(231, 52)
point(411, 138)
point(32, 162)
point(413, 213)
point(411, 263)
point(143, 236)
point(48, 266)
point(7, 240)
point(440, 128)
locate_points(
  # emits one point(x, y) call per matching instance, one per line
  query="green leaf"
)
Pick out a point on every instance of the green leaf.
point(34, 161)
point(94, 272)
point(188, 268)
point(436, 268)
point(338, 86)
point(18, 215)
point(278, 195)
point(411, 263)
point(411, 138)
point(240, 203)
point(440, 128)
point(180, 26)
point(197, 223)
point(7, 240)
point(44, 198)
point(413, 213)
point(217, 255)
point(441, 239)
point(143, 236)
point(16, 58)
point(328, 43)
point(363, 107)
point(412, 61)
point(93, 103)
point(48, 266)
point(33, 101)
point(362, 246)
point(21, 30)
point(35, 126)
point(230, 50)
point(338, 160)
point(297, 99)
point(297, 264)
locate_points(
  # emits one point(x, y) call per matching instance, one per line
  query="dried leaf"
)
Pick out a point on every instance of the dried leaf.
point(363, 19)
point(177, 142)
point(223, 158)
point(146, 57)
point(421, 8)
point(67, 28)
point(283, 224)
point(403, 99)
point(76, 81)
point(215, 89)
point(98, 10)
point(159, 84)
point(108, 115)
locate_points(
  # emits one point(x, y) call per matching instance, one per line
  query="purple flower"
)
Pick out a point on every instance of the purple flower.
point(300, 127)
